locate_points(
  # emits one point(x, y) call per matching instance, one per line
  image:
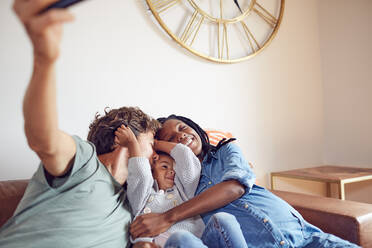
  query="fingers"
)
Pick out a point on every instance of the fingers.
point(124, 130)
point(136, 229)
point(124, 135)
point(56, 16)
point(138, 233)
point(26, 9)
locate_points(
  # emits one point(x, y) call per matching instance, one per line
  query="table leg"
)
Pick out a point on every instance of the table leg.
point(329, 194)
point(341, 190)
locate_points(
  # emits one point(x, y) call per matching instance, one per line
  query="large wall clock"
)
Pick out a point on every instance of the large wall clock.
point(224, 31)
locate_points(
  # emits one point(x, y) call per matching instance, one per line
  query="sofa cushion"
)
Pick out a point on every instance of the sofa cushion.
point(11, 193)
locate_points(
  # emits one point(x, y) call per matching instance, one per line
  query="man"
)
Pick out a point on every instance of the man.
point(76, 197)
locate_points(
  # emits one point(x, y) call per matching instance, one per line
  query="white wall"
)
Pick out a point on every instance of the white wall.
point(114, 55)
point(346, 38)
point(345, 46)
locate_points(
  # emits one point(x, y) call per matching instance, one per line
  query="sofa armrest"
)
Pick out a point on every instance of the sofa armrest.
point(11, 193)
point(346, 219)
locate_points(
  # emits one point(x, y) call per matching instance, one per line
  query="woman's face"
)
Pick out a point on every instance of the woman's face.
point(178, 132)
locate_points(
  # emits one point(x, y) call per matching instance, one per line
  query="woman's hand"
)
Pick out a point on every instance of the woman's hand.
point(44, 30)
point(149, 225)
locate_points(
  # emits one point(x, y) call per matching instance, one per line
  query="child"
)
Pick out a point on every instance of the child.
point(166, 183)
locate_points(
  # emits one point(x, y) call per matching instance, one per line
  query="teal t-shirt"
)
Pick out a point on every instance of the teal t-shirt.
point(85, 208)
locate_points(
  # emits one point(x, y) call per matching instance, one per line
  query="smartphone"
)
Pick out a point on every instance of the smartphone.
point(61, 4)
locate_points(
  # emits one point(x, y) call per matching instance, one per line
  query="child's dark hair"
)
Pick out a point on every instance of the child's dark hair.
point(207, 148)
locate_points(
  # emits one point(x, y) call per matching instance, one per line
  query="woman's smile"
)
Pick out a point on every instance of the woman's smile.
point(176, 131)
point(187, 140)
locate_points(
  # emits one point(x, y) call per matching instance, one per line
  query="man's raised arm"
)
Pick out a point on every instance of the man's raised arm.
point(55, 148)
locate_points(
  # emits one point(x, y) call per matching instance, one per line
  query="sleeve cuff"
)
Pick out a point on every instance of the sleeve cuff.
point(141, 239)
point(242, 176)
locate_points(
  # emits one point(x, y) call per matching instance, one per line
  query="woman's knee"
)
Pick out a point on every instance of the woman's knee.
point(181, 236)
point(225, 219)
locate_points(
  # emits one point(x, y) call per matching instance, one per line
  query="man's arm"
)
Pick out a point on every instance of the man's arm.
point(55, 148)
point(215, 197)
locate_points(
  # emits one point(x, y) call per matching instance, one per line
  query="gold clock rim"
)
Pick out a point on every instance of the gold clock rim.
point(222, 61)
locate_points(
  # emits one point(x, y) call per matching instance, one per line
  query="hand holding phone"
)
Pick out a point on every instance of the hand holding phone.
point(61, 4)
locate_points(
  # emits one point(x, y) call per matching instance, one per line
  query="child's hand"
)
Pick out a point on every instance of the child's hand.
point(124, 136)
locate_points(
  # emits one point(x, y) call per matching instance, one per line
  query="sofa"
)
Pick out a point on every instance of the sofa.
point(347, 219)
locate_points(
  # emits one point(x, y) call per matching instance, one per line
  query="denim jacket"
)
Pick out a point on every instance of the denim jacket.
point(265, 219)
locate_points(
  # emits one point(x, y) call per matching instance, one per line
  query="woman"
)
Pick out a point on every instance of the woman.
point(227, 185)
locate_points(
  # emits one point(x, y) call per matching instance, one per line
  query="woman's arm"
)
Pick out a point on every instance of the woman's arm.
point(215, 197)
point(164, 146)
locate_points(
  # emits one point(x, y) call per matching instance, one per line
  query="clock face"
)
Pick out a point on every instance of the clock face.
point(224, 31)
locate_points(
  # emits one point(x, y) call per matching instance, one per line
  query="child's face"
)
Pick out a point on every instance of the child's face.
point(162, 171)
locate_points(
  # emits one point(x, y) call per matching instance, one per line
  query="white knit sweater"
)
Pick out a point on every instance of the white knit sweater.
point(145, 197)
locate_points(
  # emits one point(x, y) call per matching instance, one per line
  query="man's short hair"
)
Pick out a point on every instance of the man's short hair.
point(102, 129)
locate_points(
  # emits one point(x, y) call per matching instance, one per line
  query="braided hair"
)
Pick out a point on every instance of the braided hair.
point(207, 149)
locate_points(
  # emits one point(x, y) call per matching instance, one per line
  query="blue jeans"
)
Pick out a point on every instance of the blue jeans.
point(320, 239)
point(222, 230)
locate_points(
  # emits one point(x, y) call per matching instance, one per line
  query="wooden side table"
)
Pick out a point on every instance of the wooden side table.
point(328, 174)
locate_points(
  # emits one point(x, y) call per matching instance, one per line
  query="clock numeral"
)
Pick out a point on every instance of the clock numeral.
point(163, 5)
point(250, 38)
point(265, 15)
point(192, 28)
point(222, 39)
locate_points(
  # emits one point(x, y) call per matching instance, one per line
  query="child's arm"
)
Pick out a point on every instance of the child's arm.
point(140, 181)
point(187, 169)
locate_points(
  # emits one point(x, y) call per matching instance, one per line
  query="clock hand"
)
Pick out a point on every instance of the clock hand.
point(237, 4)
